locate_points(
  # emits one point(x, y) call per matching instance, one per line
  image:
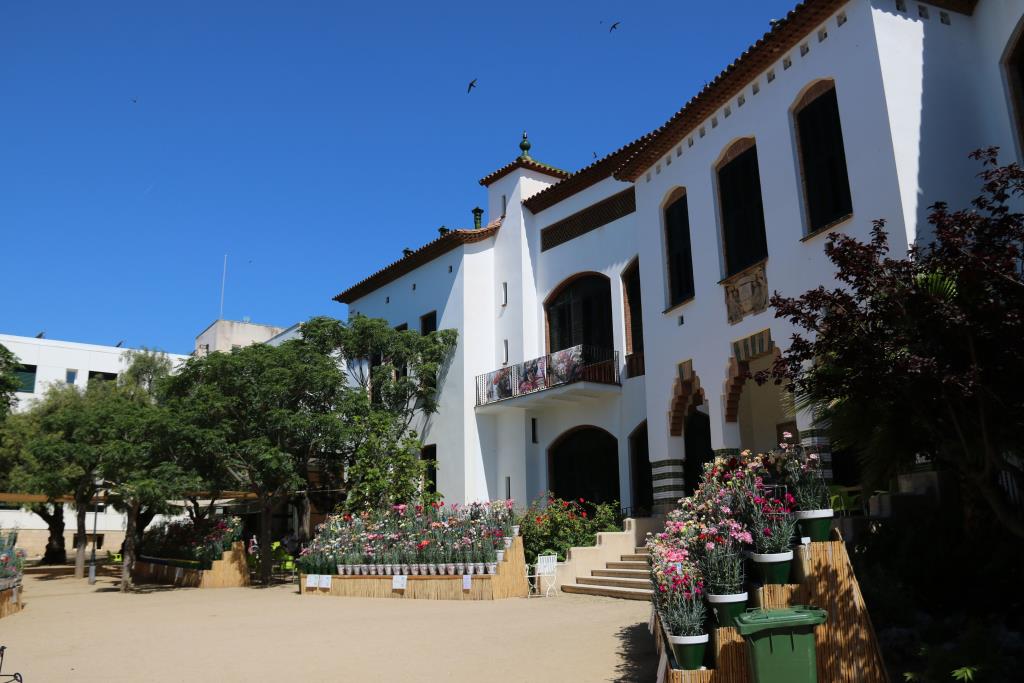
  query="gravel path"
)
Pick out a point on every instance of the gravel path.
point(70, 631)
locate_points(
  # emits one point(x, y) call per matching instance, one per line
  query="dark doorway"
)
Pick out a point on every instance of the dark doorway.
point(429, 454)
point(581, 313)
point(640, 469)
point(697, 441)
point(584, 463)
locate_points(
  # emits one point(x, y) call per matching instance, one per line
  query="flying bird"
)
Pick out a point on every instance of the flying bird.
point(472, 84)
point(135, 100)
point(613, 26)
point(595, 155)
point(119, 344)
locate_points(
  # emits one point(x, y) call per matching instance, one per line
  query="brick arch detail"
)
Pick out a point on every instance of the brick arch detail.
point(739, 371)
point(687, 394)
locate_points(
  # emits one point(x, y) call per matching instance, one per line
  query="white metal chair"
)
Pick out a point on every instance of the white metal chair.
point(544, 568)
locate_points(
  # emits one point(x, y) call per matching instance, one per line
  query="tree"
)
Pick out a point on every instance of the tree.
point(59, 455)
point(9, 381)
point(919, 355)
point(264, 410)
point(394, 377)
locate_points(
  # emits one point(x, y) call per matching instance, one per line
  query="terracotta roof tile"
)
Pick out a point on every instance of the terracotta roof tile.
point(523, 162)
point(428, 252)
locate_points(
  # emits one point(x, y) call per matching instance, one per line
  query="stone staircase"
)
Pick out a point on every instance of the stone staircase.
point(629, 578)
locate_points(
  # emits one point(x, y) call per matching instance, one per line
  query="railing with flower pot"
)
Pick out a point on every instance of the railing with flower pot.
point(580, 363)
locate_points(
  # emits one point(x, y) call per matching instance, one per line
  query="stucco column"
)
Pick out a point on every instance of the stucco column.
point(814, 437)
point(667, 474)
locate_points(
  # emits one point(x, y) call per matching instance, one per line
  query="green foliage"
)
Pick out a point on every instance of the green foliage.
point(918, 354)
point(385, 468)
point(9, 382)
point(204, 540)
point(552, 525)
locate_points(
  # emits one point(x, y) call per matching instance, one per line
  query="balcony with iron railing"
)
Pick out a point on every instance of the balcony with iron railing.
point(592, 369)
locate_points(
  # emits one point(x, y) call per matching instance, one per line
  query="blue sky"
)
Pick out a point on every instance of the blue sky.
point(311, 141)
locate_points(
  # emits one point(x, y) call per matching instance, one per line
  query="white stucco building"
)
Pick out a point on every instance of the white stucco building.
point(607, 316)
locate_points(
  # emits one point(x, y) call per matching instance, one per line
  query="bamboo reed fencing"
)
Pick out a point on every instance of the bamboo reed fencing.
point(10, 601)
point(847, 648)
point(509, 582)
point(231, 571)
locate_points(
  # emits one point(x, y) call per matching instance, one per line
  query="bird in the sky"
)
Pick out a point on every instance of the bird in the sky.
point(613, 26)
point(119, 344)
point(595, 155)
point(472, 84)
point(135, 100)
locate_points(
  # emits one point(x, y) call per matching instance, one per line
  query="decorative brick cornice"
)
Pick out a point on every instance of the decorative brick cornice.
point(593, 217)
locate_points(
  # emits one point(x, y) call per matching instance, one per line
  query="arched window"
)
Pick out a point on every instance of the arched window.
point(584, 463)
point(580, 312)
point(679, 255)
point(739, 196)
point(822, 157)
point(633, 307)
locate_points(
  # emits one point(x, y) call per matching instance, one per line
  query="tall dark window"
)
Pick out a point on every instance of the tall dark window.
point(428, 323)
point(680, 256)
point(739, 191)
point(1015, 77)
point(581, 313)
point(823, 161)
point(429, 454)
point(26, 375)
point(634, 308)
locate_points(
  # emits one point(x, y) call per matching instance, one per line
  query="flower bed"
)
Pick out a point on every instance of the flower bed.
point(553, 525)
point(12, 563)
point(229, 571)
point(741, 517)
point(190, 544)
point(440, 551)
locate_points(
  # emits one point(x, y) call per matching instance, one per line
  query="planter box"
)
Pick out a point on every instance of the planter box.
point(230, 571)
point(509, 582)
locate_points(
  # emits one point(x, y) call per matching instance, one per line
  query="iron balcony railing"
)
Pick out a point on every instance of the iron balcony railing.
point(576, 364)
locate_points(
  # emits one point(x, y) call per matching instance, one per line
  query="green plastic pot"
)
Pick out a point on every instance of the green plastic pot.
point(817, 524)
point(688, 651)
point(773, 567)
point(727, 607)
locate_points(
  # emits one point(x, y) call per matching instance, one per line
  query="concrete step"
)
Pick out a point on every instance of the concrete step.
point(637, 557)
point(627, 565)
point(641, 550)
point(609, 591)
point(623, 573)
point(619, 583)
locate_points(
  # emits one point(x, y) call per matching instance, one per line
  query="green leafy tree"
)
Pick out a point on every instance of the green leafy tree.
point(919, 355)
point(264, 411)
point(9, 381)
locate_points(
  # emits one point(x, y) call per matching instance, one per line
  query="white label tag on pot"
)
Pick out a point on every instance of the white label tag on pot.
point(467, 582)
point(399, 583)
point(312, 580)
point(325, 581)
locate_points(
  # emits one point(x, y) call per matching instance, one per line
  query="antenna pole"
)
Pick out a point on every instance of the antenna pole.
point(223, 280)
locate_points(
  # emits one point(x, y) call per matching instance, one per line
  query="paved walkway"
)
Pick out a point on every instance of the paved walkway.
point(70, 631)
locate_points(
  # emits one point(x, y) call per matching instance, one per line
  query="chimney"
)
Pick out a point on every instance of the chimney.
point(442, 231)
point(478, 218)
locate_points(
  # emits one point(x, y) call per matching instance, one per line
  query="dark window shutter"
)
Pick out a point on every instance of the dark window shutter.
point(739, 190)
point(824, 161)
point(680, 255)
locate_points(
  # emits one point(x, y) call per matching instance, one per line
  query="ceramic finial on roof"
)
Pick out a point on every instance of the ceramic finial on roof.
point(525, 147)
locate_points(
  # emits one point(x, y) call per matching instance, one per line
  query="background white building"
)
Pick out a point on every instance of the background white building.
point(608, 317)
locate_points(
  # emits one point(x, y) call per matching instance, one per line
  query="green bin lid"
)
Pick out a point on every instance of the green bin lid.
point(755, 621)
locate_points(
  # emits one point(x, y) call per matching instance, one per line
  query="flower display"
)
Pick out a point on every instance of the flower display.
point(419, 539)
point(203, 540)
point(12, 560)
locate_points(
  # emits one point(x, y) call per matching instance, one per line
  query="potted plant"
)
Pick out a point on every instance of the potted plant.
point(813, 497)
point(468, 560)
point(478, 560)
point(722, 567)
point(490, 559)
point(772, 526)
point(683, 618)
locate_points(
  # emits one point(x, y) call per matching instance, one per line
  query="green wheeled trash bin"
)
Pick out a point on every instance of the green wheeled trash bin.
point(780, 643)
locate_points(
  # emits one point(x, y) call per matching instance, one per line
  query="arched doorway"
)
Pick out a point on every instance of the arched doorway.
point(584, 463)
point(579, 311)
point(697, 441)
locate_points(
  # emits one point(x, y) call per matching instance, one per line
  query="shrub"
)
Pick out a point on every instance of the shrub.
point(186, 539)
point(553, 525)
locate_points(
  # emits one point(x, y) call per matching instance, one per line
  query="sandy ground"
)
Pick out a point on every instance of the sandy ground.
point(70, 631)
